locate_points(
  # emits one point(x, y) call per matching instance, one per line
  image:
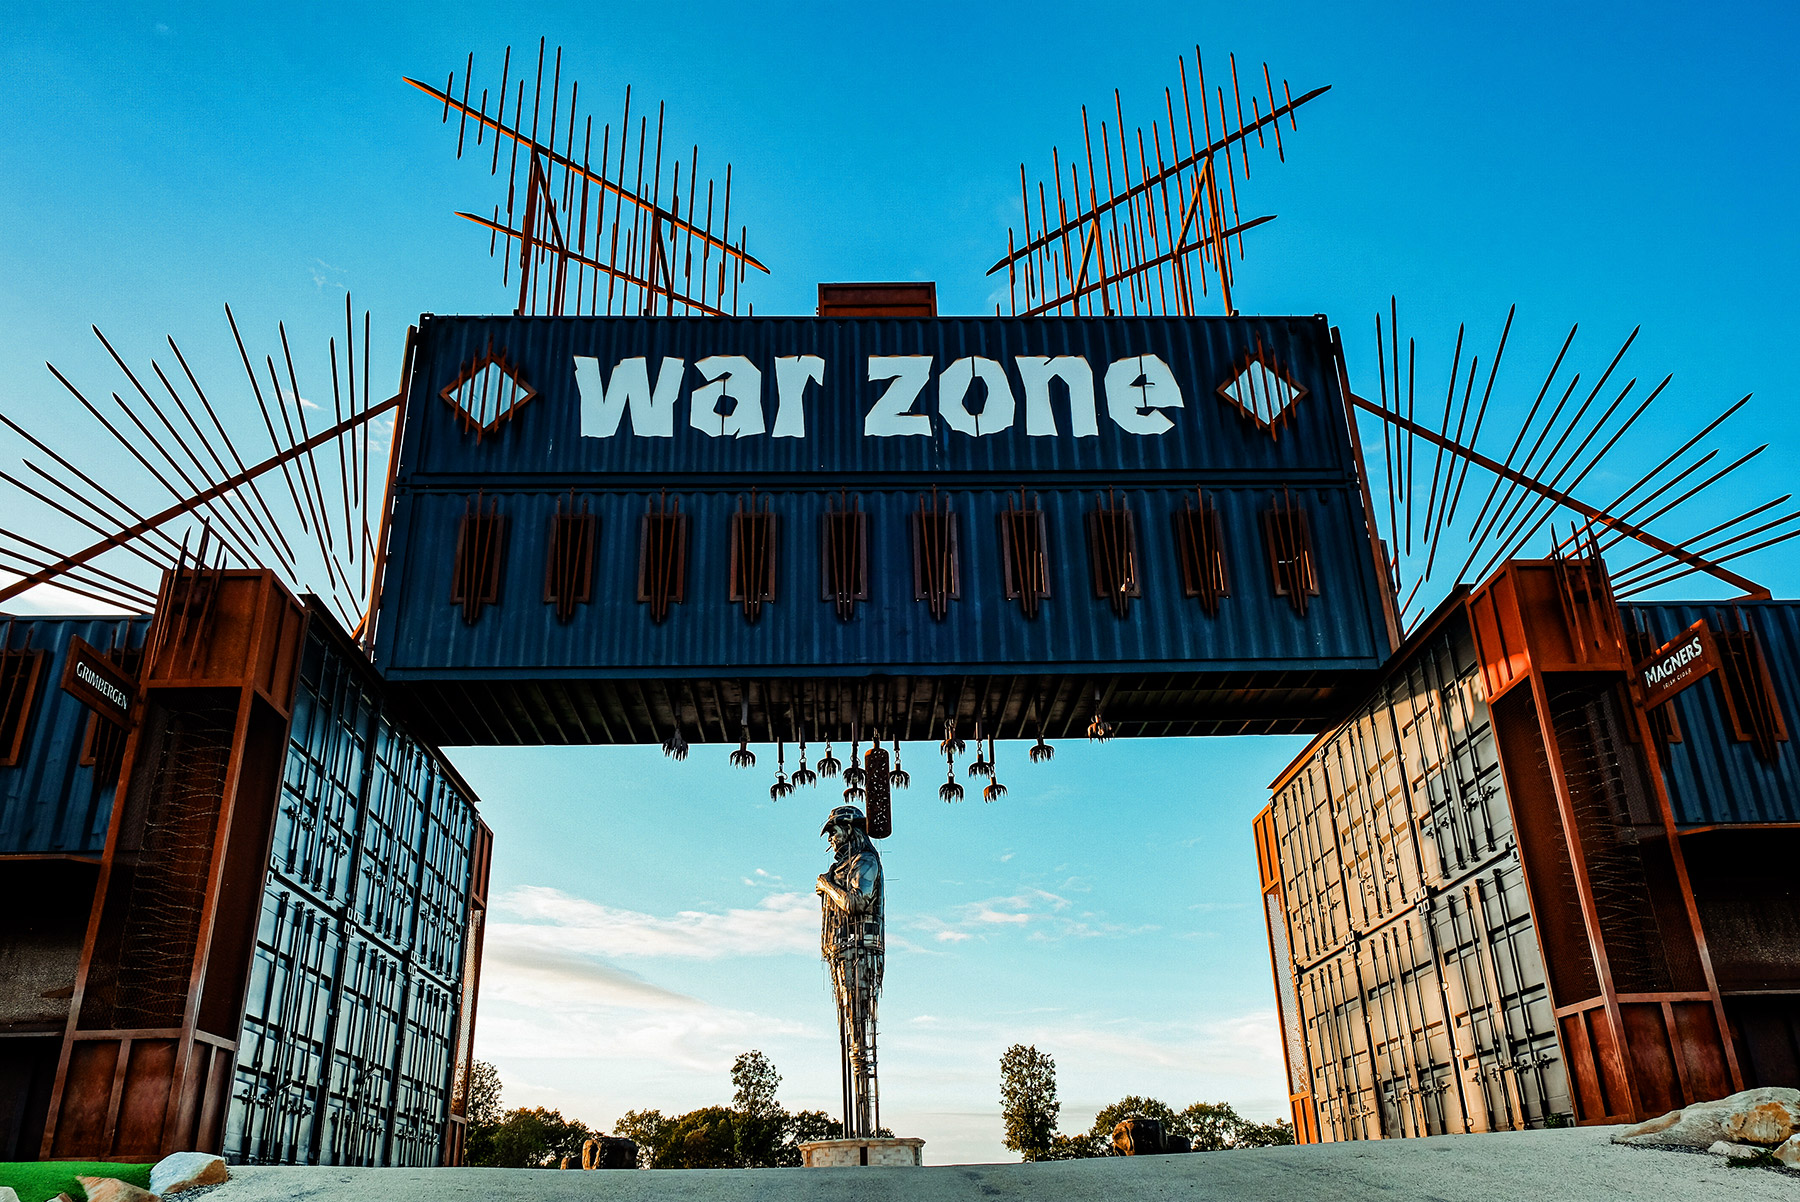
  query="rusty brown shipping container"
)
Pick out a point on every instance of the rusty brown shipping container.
point(1485, 912)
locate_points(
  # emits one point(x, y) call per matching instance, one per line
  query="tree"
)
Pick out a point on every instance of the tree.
point(1211, 1126)
point(699, 1139)
point(1265, 1135)
point(808, 1126)
point(646, 1128)
point(531, 1139)
point(483, 1105)
point(1028, 1102)
point(1076, 1147)
point(756, 1081)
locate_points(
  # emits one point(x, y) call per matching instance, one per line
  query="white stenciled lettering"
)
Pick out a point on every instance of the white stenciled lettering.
point(792, 374)
point(954, 386)
point(1138, 386)
point(729, 378)
point(1036, 372)
point(603, 404)
point(892, 413)
point(104, 687)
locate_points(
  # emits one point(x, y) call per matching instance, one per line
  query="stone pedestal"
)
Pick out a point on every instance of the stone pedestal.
point(856, 1153)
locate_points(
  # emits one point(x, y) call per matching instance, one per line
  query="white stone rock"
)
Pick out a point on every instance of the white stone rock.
point(1703, 1124)
point(1733, 1151)
point(8, 1194)
point(851, 1153)
point(1789, 1153)
point(187, 1170)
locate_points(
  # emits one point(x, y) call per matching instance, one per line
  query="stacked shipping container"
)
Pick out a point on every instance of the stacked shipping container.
point(351, 1023)
point(1413, 991)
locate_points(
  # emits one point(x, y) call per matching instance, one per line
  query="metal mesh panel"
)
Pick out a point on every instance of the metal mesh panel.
point(165, 845)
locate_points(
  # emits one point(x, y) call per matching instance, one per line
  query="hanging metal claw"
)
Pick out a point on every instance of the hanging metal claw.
point(1099, 730)
point(781, 788)
point(952, 744)
point(899, 778)
point(854, 774)
point(743, 757)
point(993, 792)
point(950, 790)
point(1041, 752)
point(675, 747)
point(829, 766)
point(854, 794)
point(979, 766)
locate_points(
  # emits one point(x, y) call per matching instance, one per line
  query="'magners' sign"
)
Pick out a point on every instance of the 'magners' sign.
point(1677, 664)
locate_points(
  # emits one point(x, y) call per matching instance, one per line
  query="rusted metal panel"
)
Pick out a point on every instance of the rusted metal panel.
point(53, 800)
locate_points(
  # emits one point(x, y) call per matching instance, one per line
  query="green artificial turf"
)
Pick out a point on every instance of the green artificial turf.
point(40, 1180)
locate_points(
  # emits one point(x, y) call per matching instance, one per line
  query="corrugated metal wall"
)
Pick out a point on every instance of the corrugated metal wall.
point(50, 802)
point(1422, 1002)
point(353, 1012)
point(534, 458)
point(1713, 777)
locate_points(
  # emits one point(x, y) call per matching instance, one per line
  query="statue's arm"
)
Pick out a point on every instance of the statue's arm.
point(865, 875)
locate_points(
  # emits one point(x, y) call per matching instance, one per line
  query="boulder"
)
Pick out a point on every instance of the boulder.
point(1734, 1151)
point(609, 1152)
point(187, 1170)
point(1767, 1123)
point(111, 1189)
point(1789, 1153)
point(1140, 1137)
point(8, 1194)
point(1705, 1123)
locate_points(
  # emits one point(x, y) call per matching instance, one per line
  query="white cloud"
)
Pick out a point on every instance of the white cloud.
point(779, 924)
point(1039, 913)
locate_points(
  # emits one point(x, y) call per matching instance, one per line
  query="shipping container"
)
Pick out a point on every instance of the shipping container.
point(1127, 539)
point(58, 763)
point(1411, 988)
point(354, 1016)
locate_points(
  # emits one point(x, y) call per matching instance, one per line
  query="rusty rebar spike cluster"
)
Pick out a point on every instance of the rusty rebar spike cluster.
point(1161, 226)
point(1534, 482)
point(181, 444)
point(571, 220)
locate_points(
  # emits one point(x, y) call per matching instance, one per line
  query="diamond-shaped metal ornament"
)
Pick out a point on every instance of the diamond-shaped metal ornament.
point(488, 391)
point(1263, 390)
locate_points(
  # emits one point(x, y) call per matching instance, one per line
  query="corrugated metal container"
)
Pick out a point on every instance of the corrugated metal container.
point(538, 455)
point(1713, 777)
point(50, 802)
point(347, 1050)
point(1421, 1001)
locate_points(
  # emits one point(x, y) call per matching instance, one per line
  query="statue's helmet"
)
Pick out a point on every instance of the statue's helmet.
point(845, 816)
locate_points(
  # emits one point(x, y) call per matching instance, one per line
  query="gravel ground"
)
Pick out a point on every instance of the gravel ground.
point(1515, 1166)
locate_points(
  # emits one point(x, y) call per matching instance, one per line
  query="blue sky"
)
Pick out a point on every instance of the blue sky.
point(1612, 165)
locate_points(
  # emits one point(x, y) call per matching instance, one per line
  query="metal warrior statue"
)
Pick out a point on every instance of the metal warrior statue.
point(852, 941)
